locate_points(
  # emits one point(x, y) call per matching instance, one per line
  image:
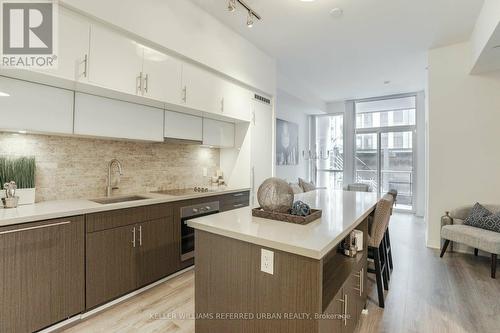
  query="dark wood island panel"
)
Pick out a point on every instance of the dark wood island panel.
point(297, 297)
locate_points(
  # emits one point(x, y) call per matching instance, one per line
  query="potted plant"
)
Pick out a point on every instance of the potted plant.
point(21, 170)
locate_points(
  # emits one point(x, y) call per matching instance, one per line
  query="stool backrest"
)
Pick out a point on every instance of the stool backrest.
point(381, 220)
point(358, 187)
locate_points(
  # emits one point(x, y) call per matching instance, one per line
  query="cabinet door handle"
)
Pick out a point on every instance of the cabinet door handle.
point(139, 84)
point(344, 301)
point(238, 194)
point(345, 309)
point(140, 235)
point(184, 94)
point(253, 185)
point(85, 65)
point(133, 237)
point(222, 104)
point(34, 228)
point(146, 83)
point(238, 205)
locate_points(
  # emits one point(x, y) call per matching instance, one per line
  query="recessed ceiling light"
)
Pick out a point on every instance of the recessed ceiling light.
point(387, 82)
point(4, 94)
point(336, 12)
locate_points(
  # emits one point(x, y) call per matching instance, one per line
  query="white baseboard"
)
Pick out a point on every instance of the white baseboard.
point(103, 307)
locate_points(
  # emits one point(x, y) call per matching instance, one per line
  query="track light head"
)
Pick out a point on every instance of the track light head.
point(250, 19)
point(231, 5)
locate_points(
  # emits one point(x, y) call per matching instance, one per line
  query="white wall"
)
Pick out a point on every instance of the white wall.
point(184, 28)
point(464, 135)
point(487, 22)
point(293, 109)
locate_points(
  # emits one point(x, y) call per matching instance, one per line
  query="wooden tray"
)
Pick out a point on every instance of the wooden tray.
point(315, 214)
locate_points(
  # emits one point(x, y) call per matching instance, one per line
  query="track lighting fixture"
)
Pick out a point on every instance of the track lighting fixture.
point(231, 7)
point(250, 19)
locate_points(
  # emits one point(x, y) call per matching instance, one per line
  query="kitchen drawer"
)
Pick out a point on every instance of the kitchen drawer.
point(235, 200)
point(127, 216)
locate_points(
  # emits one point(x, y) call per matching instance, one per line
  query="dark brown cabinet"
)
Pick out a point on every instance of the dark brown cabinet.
point(158, 251)
point(124, 258)
point(41, 273)
point(234, 200)
point(111, 269)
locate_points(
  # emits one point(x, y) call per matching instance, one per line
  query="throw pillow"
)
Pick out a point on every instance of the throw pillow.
point(476, 214)
point(480, 217)
point(296, 188)
point(306, 186)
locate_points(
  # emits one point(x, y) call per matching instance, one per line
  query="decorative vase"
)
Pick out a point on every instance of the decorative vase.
point(275, 195)
point(26, 196)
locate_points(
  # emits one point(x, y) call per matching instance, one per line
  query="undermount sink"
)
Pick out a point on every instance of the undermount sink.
point(106, 201)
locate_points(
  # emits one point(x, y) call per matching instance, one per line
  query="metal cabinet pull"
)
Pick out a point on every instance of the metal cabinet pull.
point(361, 278)
point(344, 300)
point(140, 235)
point(238, 194)
point(139, 85)
point(146, 83)
point(184, 94)
point(238, 205)
point(34, 228)
point(253, 185)
point(222, 104)
point(133, 237)
point(85, 65)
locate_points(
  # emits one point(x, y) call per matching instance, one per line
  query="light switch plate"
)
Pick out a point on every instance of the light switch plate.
point(267, 261)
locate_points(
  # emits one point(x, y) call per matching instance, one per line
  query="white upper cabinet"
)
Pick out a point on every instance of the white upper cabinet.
point(73, 54)
point(218, 133)
point(202, 90)
point(104, 117)
point(35, 107)
point(116, 61)
point(236, 101)
point(161, 77)
point(183, 126)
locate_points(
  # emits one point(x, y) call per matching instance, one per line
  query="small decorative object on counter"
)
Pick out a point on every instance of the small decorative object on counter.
point(300, 208)
point(275, 195)
point(22, 171)
point(10, 200)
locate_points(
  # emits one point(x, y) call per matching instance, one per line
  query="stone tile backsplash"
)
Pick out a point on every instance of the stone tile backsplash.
point(69, 167)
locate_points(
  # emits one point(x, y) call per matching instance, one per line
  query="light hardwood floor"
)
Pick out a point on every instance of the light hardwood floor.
point(427, 294)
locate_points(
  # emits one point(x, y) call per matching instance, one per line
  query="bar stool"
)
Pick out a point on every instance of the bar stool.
point(387, 238)
point(357, 187)
point(376, 245)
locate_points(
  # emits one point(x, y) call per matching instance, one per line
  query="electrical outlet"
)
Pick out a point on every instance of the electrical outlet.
point(267, 261)
point(205, 172)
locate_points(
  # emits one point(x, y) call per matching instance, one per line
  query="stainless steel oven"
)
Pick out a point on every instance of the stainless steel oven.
point(187, 233)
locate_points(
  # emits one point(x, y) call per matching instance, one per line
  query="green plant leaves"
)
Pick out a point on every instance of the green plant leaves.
point(21, 170)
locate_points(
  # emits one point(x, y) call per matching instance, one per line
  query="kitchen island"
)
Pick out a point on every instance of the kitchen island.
point(308, 287)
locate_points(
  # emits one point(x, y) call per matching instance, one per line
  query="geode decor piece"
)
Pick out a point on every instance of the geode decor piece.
point(275, 195)
point(300, 208)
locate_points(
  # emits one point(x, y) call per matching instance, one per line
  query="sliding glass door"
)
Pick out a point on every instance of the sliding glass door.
point(385, 138)
point(327, 154)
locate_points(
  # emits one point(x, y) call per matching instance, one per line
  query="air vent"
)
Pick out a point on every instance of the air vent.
point(262, 99)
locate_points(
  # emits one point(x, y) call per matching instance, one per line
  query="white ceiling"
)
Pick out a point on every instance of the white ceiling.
point(351, 57)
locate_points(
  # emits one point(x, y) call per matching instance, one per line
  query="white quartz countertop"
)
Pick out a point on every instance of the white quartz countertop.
point(342, 212)
point(64, 208)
